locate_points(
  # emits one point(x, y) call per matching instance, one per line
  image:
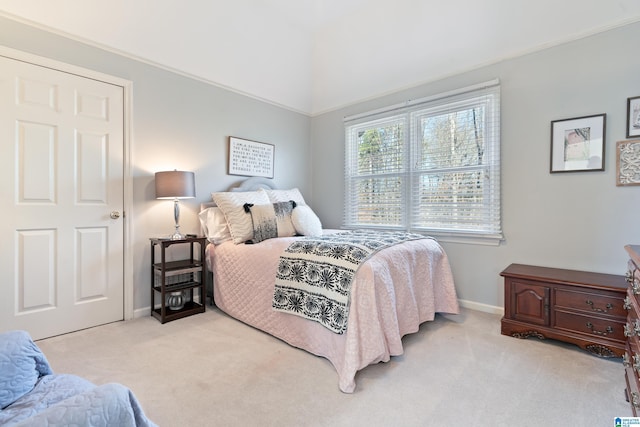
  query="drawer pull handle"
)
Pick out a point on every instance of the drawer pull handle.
point(636, 326)
point(635, 400)
point(628, 331)
point(627, 303)
point(625, 360)
point(635, 287)
point(608, 330)
point(636, 362)
point(609, 306)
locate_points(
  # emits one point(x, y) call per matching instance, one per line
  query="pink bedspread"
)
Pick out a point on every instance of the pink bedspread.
point(393, 292)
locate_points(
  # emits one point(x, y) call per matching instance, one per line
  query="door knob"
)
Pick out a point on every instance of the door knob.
point(114, 215)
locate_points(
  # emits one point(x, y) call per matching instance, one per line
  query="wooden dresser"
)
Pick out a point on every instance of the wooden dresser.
point(631, 359)
point(579, 307)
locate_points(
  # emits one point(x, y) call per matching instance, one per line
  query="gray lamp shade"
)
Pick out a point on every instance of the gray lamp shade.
point(175, 185)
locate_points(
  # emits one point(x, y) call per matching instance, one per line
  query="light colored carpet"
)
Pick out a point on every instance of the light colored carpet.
point(211, 370)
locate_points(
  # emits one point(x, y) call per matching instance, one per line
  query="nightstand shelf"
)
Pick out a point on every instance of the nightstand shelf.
point(177, 287)
point(176, 267)
point(189, 308)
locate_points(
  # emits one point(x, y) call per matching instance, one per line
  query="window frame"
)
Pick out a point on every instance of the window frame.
point(488, 94)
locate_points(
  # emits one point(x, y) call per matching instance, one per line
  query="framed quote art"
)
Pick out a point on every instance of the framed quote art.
point(250, 158)
point(578, 144)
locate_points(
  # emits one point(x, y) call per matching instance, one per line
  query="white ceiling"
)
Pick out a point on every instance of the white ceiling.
point(313, 56)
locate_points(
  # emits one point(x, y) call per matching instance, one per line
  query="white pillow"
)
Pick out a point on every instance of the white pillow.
point(238, 220)
point(214, 225)
point(276, 196)
point(305, 221)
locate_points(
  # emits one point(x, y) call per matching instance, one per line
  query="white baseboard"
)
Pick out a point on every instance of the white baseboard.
point(141, 312)
point(146, 311)
point(482, 307)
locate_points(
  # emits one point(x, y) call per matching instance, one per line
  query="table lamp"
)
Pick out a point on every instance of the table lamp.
point(175, 185)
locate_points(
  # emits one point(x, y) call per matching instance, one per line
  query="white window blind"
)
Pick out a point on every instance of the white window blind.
point(430, 165)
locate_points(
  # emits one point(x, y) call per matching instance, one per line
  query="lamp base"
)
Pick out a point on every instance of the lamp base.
point(177, 236)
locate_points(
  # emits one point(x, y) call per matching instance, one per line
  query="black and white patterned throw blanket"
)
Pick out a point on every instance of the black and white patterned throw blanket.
point(315, 273)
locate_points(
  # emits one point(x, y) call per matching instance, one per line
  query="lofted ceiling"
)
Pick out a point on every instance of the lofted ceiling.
point(314, 56)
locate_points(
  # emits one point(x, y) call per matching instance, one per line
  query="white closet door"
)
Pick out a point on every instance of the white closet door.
point(61, 168)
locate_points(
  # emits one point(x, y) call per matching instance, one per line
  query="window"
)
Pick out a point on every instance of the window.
point(431, 166)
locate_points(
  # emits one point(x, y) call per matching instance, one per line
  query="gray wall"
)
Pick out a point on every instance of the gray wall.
point(575, 220)
point(178, 123)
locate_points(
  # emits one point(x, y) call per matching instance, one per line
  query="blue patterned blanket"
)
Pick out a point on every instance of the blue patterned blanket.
point(32, 395)
point(315, 274)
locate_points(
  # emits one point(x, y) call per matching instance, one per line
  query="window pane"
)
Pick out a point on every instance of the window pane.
point(380, 149)
point(452, 139)
point(451, 200)
point(379, 201)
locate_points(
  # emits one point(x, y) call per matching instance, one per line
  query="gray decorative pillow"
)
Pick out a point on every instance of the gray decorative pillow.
point(272, 220)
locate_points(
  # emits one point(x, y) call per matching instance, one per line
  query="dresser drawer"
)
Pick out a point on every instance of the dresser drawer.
point(590, 325)
point(591, 303)
point(631, 363)
point(632, 325)
point(632, 360)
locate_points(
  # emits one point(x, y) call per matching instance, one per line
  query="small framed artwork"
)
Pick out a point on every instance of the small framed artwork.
point(633, 117)
point(578, 144)
point(628, 163)
point(250, 158)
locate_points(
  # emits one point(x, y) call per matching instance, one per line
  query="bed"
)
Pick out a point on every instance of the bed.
point(392, 293)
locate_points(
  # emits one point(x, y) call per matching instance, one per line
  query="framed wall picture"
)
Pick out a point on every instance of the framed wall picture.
point(578, 144)
point(628, 163)
point(633, 117)
point(250, 158)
